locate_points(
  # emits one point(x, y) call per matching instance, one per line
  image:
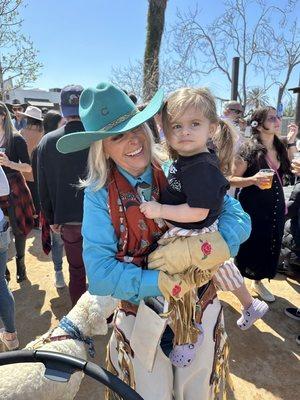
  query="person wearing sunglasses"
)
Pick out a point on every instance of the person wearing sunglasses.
point(262, 196)
point(233, 111)
point(18, 119)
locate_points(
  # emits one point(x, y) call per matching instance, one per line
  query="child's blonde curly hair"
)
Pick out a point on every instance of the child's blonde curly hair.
point(201, 99)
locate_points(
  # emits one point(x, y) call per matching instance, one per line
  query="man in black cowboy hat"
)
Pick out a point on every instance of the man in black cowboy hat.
point(16, 107)
point(61, 200)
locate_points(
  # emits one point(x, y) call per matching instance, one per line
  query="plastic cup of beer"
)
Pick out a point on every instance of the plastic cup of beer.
point(296, 156)
point(268, 173)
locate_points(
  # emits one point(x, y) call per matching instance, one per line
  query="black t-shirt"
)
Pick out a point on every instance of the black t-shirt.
point(197, 181)
point(17, 152)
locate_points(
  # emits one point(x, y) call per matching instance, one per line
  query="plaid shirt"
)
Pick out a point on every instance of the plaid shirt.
point(21, 201)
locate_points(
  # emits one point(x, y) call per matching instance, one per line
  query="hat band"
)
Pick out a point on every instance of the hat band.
point(119, 120)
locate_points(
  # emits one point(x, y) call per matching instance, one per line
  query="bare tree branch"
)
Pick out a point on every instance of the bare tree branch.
point(18, 57)
point(213, 45)
point(268, 45)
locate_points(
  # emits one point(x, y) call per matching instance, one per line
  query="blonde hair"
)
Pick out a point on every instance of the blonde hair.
point(201, 99)
point(8, 127)
point(99, 165)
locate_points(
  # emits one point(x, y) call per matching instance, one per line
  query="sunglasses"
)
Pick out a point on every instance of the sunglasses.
point(237, 112)
point(17, 108)
point(273, 118)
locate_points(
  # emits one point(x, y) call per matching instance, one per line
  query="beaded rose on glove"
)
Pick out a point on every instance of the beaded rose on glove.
point(176, 290)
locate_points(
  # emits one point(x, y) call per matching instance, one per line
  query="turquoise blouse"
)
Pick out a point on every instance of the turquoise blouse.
point(108, 276)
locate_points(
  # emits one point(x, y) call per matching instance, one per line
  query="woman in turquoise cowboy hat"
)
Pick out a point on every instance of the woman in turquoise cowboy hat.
point(123, 171)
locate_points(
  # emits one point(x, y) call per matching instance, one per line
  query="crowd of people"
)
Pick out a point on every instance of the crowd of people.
point(159, 205)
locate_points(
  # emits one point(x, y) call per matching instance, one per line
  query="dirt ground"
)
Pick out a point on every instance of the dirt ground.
point(264, 360)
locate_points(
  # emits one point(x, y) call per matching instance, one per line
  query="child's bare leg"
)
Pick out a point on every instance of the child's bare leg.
point(242, 293)
point(228, 277)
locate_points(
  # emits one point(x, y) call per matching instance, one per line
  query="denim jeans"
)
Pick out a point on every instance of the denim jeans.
point(7, 303)
point(57, 248)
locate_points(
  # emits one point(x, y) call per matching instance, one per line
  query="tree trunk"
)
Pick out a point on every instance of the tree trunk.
point(1, 83)
point(280, 95)
point(155, 27)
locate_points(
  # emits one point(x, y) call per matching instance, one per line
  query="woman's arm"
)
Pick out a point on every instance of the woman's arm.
point(20, 147)
point(239, 169)
point(237, 180)
point(291, 140)
point(234, 224)
point(5, 162)
point(107, 275)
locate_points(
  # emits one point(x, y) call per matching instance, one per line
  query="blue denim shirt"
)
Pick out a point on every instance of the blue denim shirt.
point(126, 281)
point(20, 124)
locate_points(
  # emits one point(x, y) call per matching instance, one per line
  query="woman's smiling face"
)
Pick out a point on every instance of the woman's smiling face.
point(130, 150)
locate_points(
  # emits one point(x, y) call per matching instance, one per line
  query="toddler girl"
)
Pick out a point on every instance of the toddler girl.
point(193, 199)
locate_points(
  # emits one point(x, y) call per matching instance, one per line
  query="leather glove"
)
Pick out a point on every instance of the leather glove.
point(198, 277)
point(177, 254)
point(173, 286)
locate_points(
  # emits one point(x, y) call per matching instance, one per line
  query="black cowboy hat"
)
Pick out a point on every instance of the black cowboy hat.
point(15, 103)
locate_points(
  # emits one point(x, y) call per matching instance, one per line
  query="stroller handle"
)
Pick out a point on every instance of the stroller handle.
point(67, 365)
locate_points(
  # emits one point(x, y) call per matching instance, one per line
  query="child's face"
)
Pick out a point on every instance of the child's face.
point(188, 134)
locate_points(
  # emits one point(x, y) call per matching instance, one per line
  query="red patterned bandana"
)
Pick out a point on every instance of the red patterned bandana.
point(135, 232)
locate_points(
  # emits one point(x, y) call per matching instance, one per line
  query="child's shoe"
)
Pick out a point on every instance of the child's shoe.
point(183, 355)
point(254, 312)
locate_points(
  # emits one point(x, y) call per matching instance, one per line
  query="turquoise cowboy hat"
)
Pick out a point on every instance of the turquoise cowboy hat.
point(106, 111)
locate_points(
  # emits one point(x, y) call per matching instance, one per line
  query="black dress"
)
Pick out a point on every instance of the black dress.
point(258, 256)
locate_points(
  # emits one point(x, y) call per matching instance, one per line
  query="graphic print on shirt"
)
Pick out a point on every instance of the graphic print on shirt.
point(174, 183)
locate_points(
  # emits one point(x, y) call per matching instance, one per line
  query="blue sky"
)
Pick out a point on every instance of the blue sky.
point(80, 40)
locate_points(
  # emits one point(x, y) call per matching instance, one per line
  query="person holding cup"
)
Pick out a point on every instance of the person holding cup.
point(259, 169)
point(296, 165)
point(267, 173)
point(15, 161)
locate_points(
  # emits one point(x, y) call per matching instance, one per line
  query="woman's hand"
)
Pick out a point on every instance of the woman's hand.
point(292, 133)
point(151, 209)
point(178, 254)
point(4, 160)
point(175, 286)
point(260, 180)
point(296, 167)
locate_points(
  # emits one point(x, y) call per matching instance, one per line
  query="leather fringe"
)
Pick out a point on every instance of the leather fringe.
point(182, 311)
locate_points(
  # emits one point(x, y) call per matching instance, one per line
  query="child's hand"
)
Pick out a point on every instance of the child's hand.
point(151, 209)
